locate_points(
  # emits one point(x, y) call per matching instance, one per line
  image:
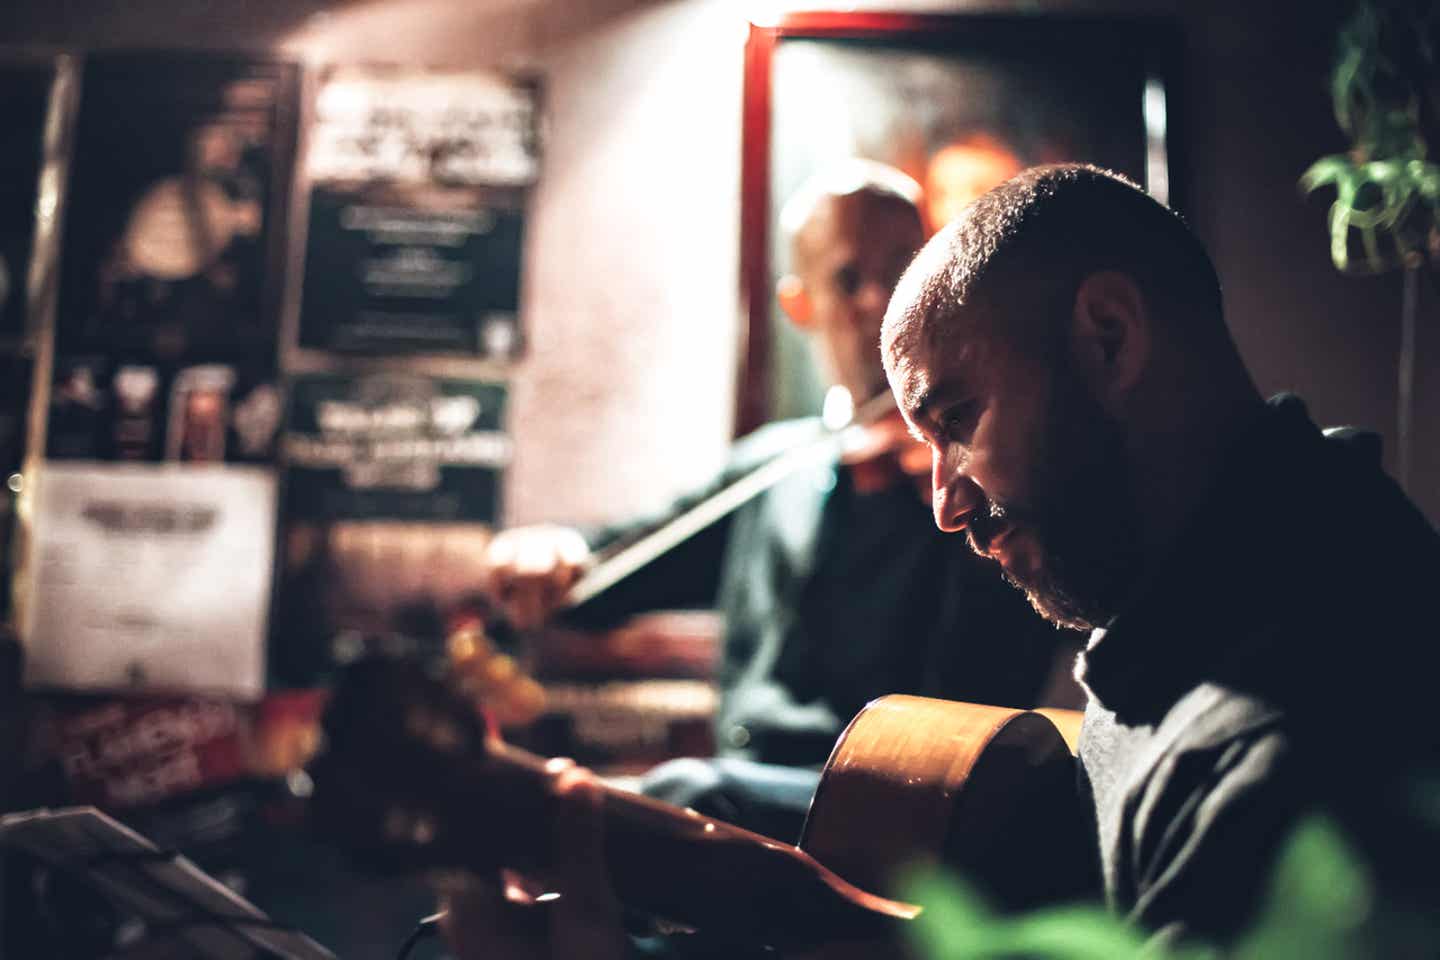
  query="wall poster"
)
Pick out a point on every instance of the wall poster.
point(393, 485)
point(150, 558)
point(418, 184)
point(167, 328)
point(180, 177)
point(395, 447)
point(151, 576)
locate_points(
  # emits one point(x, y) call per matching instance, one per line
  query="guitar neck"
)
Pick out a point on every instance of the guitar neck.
point(685, 868)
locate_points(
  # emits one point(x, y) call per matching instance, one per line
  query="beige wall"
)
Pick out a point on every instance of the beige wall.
point(630, 294)
point(631, 297)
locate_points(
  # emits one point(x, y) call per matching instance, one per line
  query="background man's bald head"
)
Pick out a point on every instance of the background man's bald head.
point(852, 229)
point(837, 187)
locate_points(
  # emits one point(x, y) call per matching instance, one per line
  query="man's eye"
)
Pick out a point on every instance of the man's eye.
point(847, 280)
point(958, 422)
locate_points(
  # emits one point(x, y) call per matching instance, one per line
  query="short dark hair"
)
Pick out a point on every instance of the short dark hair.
point(1044, 230)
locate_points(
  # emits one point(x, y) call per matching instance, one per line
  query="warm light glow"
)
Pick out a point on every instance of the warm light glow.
point(299, 784)
point(462, 646)
point(340, 100)
point(764, 13)
point(959, 172)
point(839, 408)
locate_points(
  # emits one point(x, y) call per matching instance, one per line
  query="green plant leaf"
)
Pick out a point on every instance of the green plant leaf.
point(1319, 897)
point(1074, 933)
point(1342, 82)
point(1426, 177)
point(1340, 236)
point(1370, 240)
point(1326, 170)
point(1385, 59)
point(956, 922)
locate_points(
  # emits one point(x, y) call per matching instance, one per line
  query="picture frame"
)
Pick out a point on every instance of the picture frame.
point(957, 100)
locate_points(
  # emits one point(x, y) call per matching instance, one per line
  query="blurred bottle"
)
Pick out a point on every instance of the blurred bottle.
point(199, 414)
point(135, 389)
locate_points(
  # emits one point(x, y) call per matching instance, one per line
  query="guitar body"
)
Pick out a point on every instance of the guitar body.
point(411, 779)
point(989, 791)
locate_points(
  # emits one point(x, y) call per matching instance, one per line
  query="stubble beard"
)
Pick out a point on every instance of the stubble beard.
point(1080, 512)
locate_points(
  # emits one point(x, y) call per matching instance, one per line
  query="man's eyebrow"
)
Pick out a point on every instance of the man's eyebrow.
point(922, 403)
point(925, 405)
point(922, 399)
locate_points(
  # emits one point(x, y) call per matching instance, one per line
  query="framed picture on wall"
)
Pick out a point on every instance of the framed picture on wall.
point(957, 102)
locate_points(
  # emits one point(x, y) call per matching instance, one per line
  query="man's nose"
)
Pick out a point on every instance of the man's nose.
point(954, 497)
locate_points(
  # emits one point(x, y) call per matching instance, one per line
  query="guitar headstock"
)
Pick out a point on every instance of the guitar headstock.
point(402, 777)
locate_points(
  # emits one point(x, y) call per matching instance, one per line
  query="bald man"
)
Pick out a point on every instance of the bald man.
point(1257, 594)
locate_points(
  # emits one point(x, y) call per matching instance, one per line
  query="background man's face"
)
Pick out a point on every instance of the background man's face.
point(848, 256)
point(1028, 464)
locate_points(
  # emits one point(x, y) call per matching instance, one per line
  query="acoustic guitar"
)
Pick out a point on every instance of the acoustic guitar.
point(412, 778)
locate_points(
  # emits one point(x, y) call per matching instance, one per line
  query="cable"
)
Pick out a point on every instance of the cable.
point(427, 927)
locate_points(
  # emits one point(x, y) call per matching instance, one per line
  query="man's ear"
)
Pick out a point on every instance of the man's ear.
point(794, 300)
point(1110, 334)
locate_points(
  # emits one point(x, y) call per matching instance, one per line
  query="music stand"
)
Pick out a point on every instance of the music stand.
point(177, 901)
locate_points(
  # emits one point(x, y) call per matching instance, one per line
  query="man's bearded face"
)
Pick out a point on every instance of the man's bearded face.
point(1077, 514)
point(1028, 463)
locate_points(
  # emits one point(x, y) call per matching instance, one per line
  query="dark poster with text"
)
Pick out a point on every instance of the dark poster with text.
point(417, 213)
point(395, 447)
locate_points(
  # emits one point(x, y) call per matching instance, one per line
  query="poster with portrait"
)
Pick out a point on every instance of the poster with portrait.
point(418, 184)
point(180, 177)
point(958, 103)
point(24, 103)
